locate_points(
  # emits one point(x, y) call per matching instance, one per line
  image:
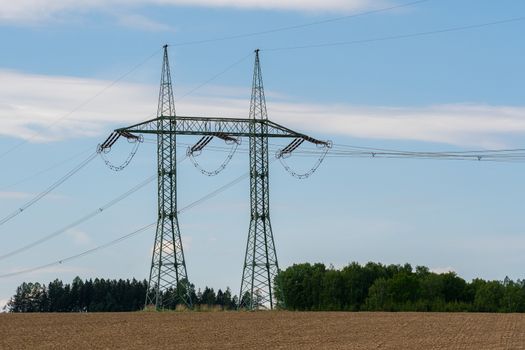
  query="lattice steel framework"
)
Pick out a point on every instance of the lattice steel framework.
point(168, 268)
point(168, 274)
point(260, 261)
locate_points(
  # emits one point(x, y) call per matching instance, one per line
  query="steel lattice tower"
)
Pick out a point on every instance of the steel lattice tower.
point(168, 277)
point(260, 262)
point(168, 267)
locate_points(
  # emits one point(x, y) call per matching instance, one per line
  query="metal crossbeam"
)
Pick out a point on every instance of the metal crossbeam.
point(233, 127)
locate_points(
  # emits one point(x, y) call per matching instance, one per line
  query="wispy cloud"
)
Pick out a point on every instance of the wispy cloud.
point(140, 22)
point(29, 103)
point(79, 237)
point(14, 195)
point(294, 5)
point(441, 270)
point(476, 125)
point(30, 11)
point(3, 303)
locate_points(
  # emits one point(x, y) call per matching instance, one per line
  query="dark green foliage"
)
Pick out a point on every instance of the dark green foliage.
point(80, 296)
point(100, 295)
point(377, 287)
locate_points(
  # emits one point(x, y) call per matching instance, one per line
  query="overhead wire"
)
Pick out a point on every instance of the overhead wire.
point(81, 220)
point(299, 26)
point(493, 155)
point(223, 188)
point(511, 155)
point(45, 170)
point(225, 70)
point(82, 104)
point(502, 155)
point(86, 217)
point(397, 37)
point(209, 80)
point(76, 256)
point(52, 187)
point(129, 235)
point(48, 190)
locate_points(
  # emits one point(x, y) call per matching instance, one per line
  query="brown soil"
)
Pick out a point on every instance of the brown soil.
point(262, 330)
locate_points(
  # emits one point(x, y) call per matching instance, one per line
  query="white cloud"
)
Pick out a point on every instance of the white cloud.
point(14, 195)
point(440, 270)
point(473, 125)
point(30, 11)
point(295, 5)
point(136, 21)
point(3, 303)
point(40, 10)
point(470, 125)
point(186, 242)
point(29, 103)
point(78, 236)
point(168, 248)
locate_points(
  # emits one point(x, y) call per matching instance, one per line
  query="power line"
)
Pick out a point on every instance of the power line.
point(500, 155)
point(81, 220)
point(49, 189)
point(299, 26)
point(346, 151)
point(87, 252)
point(214, 76)
point(129, 235)
point(87, 217)
point(209, 80)
point(206, 82)
point(81, 105)
point(401, 36)
point(45, 170)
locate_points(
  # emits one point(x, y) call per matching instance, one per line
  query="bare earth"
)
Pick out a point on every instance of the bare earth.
point(262, 330)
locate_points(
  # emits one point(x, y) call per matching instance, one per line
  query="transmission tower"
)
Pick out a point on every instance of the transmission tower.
point(260, 261)
point(168, 268)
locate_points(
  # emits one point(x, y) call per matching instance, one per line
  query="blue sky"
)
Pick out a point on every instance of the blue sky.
point(450, 91)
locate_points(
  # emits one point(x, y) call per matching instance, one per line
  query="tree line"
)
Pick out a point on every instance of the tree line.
point(100, 295)
point(377, 287)
point(301, 287)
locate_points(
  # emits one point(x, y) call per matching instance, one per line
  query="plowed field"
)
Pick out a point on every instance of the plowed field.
point(262, 330)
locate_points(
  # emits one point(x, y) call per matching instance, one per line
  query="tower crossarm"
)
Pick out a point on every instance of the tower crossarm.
point(212, 126)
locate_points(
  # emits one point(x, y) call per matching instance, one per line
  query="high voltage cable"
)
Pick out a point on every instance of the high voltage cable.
point(299, 26)
point(490, 154)
point(225, 70)
point(45, 170)
point(214, 77)
point(214, 193)
point(345, 151)
point(209, 80)
point(81, 105)
point(511, 157)
point(129, 235)
point(341, 149)
point(81, 220)
point(468, 151)
point(85, 218)
point(400, 36)
point(49, 189)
